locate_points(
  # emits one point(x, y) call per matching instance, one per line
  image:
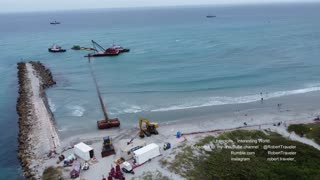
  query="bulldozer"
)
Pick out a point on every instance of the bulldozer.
point(107, 147)
point(148, 129)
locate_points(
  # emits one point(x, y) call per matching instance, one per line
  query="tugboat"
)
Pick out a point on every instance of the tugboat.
point(55, 48)
point(112, 51)
point(55, 22)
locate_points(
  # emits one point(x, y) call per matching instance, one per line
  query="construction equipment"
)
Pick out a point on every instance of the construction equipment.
point(99, 51)
point(119, 161)
point(116, 173)
point(166, 146)
point(150, 127)
point(107, 147)
point(129, 142)
point(105, 123)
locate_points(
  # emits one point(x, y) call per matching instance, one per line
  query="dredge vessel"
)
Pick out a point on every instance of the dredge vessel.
point(112, 51)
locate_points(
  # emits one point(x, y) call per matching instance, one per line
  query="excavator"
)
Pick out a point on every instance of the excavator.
point(148, 129)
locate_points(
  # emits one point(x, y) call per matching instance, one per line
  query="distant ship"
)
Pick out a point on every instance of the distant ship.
point(55, 22)
point(211, 16)
point(55, 48)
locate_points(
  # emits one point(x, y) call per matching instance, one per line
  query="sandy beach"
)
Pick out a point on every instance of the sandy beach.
point(44, 144)
point(167, 132)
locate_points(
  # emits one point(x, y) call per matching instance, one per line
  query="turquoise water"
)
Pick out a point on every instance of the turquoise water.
point(179, 61)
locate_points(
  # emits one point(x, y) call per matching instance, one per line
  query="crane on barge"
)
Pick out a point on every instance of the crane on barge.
point(106, 122)
point(100, 51)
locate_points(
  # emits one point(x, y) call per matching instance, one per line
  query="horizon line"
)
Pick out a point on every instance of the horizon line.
point(161, 7)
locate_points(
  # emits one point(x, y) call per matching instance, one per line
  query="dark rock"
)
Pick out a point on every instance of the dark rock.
point(24, 111)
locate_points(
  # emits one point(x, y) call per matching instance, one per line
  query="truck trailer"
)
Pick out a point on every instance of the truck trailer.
point(83, 151)
point(146, 153)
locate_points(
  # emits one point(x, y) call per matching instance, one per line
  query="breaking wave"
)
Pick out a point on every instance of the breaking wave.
point(52, 105)
point(76, 110)
point(214, 101)
point(125, 108)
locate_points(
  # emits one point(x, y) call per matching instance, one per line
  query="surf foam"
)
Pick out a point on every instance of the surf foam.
point(76, 110)
point(52, 105)
point(224, 100)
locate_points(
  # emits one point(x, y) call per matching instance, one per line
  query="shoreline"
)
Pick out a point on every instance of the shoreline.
point(38, 150)
point(38, 138)
point(293, 107)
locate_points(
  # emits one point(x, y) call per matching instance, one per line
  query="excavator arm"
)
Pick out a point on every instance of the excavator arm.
point(149, 129)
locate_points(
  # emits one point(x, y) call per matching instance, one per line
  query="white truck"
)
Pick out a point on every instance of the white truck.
point(146, 153)
point(126, 167)
point(83, 151)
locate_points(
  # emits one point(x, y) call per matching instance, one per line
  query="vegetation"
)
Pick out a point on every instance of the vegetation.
point(52, 173)
point(311, 131)
point(157, 175)
point(195, 163)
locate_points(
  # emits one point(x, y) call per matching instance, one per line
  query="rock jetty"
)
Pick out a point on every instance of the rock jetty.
point(37, 135)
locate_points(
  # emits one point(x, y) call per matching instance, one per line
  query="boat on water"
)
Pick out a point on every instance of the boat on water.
point(77, 47)
point(112, 51)
point(107, 52)
point(211, 16)
point(55, 22)
point(55, 48)
point(121, 49)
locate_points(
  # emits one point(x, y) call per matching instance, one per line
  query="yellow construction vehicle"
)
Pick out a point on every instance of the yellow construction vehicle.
point(149, 128)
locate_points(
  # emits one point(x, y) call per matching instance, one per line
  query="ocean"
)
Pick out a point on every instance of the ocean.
point(179, 62)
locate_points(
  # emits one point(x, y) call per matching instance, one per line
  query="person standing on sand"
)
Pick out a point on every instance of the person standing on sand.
point(261, 97)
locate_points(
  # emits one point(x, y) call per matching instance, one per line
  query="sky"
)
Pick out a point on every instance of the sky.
point(51, 5)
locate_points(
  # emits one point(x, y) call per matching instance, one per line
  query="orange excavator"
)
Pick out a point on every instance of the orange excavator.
point(106, 122)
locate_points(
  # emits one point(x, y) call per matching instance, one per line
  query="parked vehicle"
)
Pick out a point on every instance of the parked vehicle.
point(146, 153)
point(126, 167)
point(166, 146)
point(83, 151)
point(69, 160)
point(75, 172)
point(85, 166)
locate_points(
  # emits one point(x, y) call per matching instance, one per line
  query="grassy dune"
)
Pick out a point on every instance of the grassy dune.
point(198, 163)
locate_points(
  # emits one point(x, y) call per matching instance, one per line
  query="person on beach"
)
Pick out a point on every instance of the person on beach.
point(261, 100)
point(279, 107)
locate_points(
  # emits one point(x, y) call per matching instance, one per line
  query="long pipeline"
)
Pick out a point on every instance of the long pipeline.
point(98, 92)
